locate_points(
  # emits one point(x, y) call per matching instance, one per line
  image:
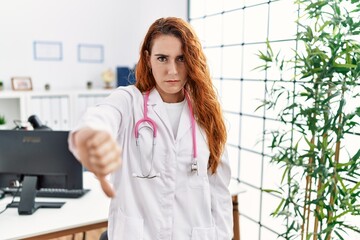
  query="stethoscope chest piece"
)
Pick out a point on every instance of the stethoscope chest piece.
point(194, 167)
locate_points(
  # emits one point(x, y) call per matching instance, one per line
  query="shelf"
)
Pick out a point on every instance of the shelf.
point(60, 110)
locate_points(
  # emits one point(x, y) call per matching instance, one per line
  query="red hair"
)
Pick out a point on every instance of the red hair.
point(205, 104)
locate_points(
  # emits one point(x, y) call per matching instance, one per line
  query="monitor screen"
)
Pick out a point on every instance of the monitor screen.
point(42, 158)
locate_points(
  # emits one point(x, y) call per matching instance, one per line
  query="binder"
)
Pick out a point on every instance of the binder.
point(46, 112)
point(55, 113)
point(65, 113)
point(125, 76)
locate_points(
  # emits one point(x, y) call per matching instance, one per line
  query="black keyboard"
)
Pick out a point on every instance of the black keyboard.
point(52, 192)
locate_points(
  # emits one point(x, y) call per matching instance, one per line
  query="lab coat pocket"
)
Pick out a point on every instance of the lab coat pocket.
point(203, 233)
point(122, 227)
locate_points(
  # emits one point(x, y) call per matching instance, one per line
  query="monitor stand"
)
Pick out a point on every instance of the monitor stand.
point(27, 204)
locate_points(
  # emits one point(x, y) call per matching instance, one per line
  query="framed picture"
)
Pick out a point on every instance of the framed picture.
point(21, 83)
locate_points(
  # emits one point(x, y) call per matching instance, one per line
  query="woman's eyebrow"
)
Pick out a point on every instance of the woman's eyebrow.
point(164, 55)
point(161, 55)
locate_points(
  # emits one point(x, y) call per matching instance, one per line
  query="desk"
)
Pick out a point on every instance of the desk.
point(76, 215)
point(235, 189)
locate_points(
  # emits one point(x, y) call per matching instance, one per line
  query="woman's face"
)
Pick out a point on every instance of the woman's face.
point(168, 67)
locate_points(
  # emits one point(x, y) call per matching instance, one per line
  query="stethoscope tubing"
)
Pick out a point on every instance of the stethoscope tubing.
point(152, 123)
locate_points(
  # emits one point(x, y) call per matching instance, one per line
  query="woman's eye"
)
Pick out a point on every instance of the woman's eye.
point(162, 59)
point(181, 59)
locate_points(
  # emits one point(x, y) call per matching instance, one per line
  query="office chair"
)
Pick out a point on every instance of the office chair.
point(104, 236)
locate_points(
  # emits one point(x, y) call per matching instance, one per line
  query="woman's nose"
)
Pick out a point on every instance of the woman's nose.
point(173, 68)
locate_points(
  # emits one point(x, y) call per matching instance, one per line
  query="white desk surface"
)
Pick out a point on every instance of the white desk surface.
point(92, 208)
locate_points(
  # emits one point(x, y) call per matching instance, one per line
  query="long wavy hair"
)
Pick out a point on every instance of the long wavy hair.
point(206, 106)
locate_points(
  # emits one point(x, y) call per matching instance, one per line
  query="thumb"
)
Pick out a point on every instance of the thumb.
point(106, 187)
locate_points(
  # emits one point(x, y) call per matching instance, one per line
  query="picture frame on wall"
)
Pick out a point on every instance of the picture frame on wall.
point(21, 84)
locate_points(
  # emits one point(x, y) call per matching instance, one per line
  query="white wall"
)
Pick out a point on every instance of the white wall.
point(118, 25)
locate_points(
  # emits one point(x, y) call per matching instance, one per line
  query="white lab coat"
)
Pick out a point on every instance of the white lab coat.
point(178, 204)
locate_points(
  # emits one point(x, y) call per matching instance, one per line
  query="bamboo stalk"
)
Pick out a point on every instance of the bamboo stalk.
point(305, 219)
point(306, 209)
point(334, 191)
point(332, 200)
point(308, 206)
point(319, 186)
point(308, 188)
point(316, 221)
point(320, 178)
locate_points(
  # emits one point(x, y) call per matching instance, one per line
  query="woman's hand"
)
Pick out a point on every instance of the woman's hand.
point(99, 153)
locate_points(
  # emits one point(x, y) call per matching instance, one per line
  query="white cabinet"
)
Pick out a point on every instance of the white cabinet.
point(50, 110)
point(58, 110)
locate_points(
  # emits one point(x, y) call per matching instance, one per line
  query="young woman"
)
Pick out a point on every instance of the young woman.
point(163, 141)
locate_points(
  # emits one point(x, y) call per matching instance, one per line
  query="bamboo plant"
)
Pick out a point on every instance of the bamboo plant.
point(320, 184)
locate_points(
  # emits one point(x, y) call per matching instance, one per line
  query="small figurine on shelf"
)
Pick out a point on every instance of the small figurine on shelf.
point(2, 122)
point(89, 85)
point(108, 77)
point(47, 87)
point(1, 85)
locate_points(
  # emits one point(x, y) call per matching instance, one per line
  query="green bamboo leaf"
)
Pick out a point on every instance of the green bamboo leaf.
point(353, 228)
point(327, 23)
point(272, 191)
point(277, 210)
point(292, 106)
point(345, 66)
point(261, 67)
point(265, 57)
point(356, 156)
point(284, 174)
point(269, 49)
point(311, 145)
point(356, 187)
point(341, 214)
point(265, 103)
point(339, 235)
point(342, 165)
point(337, 9)
point(340, 179)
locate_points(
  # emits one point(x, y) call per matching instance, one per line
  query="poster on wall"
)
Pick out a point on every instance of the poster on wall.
point(91, 53)
point(47, 51)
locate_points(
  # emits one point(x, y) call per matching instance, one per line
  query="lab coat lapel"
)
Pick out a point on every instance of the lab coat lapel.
point(155, 102)
point(185, 122)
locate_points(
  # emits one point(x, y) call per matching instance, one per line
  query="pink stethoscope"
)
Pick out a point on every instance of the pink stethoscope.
point(153, 127)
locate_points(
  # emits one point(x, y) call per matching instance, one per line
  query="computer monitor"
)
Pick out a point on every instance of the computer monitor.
point(37, 159)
